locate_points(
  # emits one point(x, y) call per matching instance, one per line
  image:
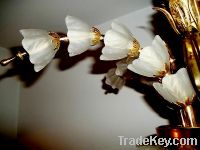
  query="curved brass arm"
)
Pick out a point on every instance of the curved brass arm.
point(169, 17)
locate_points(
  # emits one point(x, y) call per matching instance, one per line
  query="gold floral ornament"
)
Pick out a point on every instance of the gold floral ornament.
point(55, 39)
point(96, 36)
point(41, 46)
point(119, 43)
point(183, 15)
point(81, 36)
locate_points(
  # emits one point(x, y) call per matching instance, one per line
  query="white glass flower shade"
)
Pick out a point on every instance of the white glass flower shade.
point(118, 42)
point(38, 44)
point(115, 81)
point(176, 87)
point(153, 60)
point(121, 67)
point(79, 35)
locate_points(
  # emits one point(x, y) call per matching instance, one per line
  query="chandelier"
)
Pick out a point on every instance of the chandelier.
point(179, 86)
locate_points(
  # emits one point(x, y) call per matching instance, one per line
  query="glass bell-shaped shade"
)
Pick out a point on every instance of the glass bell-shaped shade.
point(80, 35)
point(41, 46)
point(176, 88)
point(119, 43)
point(153, 61)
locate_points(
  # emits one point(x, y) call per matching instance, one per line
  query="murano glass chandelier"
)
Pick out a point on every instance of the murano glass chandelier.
point(178, 86)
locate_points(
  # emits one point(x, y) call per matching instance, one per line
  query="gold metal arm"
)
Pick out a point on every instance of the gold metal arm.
point(19, 55)
point(192, 59)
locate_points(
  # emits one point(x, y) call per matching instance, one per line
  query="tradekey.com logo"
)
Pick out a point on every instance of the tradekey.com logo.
point(154, 140)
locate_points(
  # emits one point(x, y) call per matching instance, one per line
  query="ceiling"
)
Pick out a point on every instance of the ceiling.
point(96, 11)
point(50, 14)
